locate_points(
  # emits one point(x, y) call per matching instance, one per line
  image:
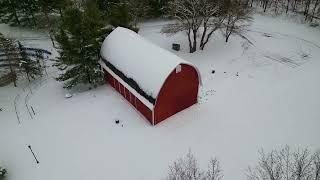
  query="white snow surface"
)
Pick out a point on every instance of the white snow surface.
point(139, 59)
point(272, 102)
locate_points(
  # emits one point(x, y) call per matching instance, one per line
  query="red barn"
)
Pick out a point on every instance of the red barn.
point(156, 82)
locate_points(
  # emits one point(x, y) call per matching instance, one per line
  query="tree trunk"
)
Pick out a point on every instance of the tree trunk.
point(265, 5)
point(33, 19)
point(288, 2)
point(314, 9)
point(189, 39)
point(12, 72)
point(227, 37)
point(194, 48)
point(306, 9)
point(229, 29)
point(50, 29)
point(204, 33)
point(14, 13)
point(60, 11)
point(208, 37)
point(89, 78)
point(294, 5)
point(227, 34)
point(28, 77)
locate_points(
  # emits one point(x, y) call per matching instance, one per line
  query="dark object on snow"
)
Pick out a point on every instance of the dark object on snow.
point(237, 74)
point(117, 121)
point(33, 110)
point(176, 47)
point(213, 71)
point(267, 35)
point(0, 109)
point(224, 72)
point(68, 95)
point(3, 172)
point(314, 24)
point(33, 155)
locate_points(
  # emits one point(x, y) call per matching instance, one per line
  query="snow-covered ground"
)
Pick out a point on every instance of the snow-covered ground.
point(273, 101)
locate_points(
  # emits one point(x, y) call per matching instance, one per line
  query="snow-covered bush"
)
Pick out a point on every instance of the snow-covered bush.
point(187, 168)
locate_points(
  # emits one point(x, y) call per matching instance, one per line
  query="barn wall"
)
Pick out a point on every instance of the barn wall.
point(179, 92)
point(134, 101)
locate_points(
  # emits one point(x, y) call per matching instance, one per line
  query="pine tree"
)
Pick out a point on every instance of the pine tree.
point(19, 12)
point(9, 60)
point(9, 12)
point(80, 44)
point(157, 8)
point(119, 14)
point(29, 66)
point(29, 9)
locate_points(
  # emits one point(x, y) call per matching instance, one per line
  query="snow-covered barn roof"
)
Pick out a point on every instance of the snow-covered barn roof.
point(139, 59)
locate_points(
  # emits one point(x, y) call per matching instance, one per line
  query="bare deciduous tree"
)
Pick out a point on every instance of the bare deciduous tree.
point(214, 171)
point(187, 15)
point(187, 168)
point(238, 17)
point(316, 165)
point(212, 17)
point(286, 164)
point(191, 16)
point(302, 163)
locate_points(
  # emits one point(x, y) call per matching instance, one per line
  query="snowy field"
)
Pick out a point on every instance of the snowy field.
point(264, 95)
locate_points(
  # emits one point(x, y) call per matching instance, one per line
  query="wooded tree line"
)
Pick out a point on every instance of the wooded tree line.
point(310, 9)
point(77, 28)
point(280, 164)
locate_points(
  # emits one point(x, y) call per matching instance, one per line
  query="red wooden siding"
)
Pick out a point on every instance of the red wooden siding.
point(135, 102)
point(179, 91)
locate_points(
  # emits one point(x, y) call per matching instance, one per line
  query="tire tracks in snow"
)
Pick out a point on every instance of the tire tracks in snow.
point(288, 61)
point(286, 35)
point(25, 95)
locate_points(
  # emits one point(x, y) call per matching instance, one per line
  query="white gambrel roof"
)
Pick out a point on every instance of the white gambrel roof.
point(139, 59)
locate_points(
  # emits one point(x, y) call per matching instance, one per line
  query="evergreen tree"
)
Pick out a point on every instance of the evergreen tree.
point(9, 60)
point(19, 12)
point(119, 14)
point(80, 36)
point(61, 5)
point(138, 10)
point(29, 9)
point(29, 66)
point(157, 8)
point(9, 12)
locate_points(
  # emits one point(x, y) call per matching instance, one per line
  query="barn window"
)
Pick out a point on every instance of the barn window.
point(178, 69)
